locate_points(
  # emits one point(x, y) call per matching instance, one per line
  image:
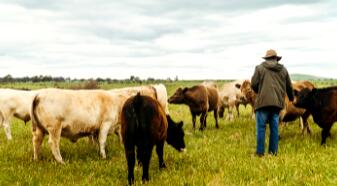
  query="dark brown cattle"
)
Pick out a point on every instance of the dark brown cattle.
point(322, 104)
point(144, 125)
point(200, 99)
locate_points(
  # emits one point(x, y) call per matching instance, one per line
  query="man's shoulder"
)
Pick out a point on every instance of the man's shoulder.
point(259, 66)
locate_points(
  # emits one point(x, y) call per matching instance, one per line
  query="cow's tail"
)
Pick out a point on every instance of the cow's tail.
point(136, 106)
point(34, 118)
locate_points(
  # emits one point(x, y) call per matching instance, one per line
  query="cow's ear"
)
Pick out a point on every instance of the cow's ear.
point(237, 85)
point(180, 124)
point(185, 89)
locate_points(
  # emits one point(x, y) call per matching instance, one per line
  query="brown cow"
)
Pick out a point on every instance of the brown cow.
point(248, 94)
point(144, 124)
point(322, 104)
point(290, 112)
point(201, 99)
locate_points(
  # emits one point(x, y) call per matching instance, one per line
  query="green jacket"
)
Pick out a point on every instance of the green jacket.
point(271, 83)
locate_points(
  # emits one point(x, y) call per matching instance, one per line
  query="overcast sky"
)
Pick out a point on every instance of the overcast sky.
point(191, 39)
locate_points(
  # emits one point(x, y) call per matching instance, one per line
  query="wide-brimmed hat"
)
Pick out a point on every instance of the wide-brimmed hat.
point(272, 53)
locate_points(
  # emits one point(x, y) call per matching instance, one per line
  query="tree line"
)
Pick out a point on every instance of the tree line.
point(47, 78)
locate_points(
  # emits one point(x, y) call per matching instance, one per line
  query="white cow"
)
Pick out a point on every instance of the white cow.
point(14, 103)
point(73, 114)
point(80, 104)
point(229, 98)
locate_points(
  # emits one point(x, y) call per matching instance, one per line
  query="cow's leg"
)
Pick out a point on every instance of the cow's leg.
point(305, 117)
point(118, 132)
point(229, 116)
point(237, 105)
point(194, 118)
point(325, 132)
point(215, 112)
point(54, 142)
point(130, 158)
point(145, 159)
point(103, 133)
point(301, 123)
point(221, 111)
point(160, 152)
point(230, 111)
point(93, 138)
point(7, 128)
point(38, 135)
point(139, 153)
point(202, 116)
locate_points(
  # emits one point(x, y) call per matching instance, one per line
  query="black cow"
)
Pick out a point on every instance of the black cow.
point(144, 124)
point(322, 104)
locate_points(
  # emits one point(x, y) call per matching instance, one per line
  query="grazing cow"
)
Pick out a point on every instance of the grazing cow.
point(73, 114)
point(144, 124)
point(14, 103)
point(230, 98)
point(322, 105)
point(289, 112)
point(201, 100)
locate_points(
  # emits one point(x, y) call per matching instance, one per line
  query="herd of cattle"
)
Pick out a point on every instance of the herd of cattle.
point(140, 115)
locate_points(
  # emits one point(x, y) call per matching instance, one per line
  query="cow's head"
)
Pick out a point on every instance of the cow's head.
point(178, 96)
point(245, 88)
point(175, 134)
point(246, 91)
point(303, 97)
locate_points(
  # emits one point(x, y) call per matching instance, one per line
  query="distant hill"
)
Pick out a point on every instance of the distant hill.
point(297, 77)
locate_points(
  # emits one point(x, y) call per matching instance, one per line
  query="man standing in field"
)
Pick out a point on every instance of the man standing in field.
point(271, 83)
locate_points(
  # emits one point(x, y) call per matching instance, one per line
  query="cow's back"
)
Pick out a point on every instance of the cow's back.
point(299, 85)
point(197, 96)
point(162, 96)
point(213, 98)
point(16, 102)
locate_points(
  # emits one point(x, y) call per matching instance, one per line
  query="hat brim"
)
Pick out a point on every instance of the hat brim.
point(277, 57)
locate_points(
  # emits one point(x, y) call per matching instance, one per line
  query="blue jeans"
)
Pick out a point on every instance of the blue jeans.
point(267, 115)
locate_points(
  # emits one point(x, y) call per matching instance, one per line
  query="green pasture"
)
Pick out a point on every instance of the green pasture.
point(222, 156)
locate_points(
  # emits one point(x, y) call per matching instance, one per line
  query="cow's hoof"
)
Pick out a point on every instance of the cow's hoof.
point(162, 166)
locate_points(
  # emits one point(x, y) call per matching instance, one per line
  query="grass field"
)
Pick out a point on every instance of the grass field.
point(222, 156)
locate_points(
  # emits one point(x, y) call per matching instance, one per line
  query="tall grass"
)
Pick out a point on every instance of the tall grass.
point(222, 156)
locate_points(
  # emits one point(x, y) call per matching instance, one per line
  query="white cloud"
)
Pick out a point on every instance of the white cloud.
point(120, 39)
